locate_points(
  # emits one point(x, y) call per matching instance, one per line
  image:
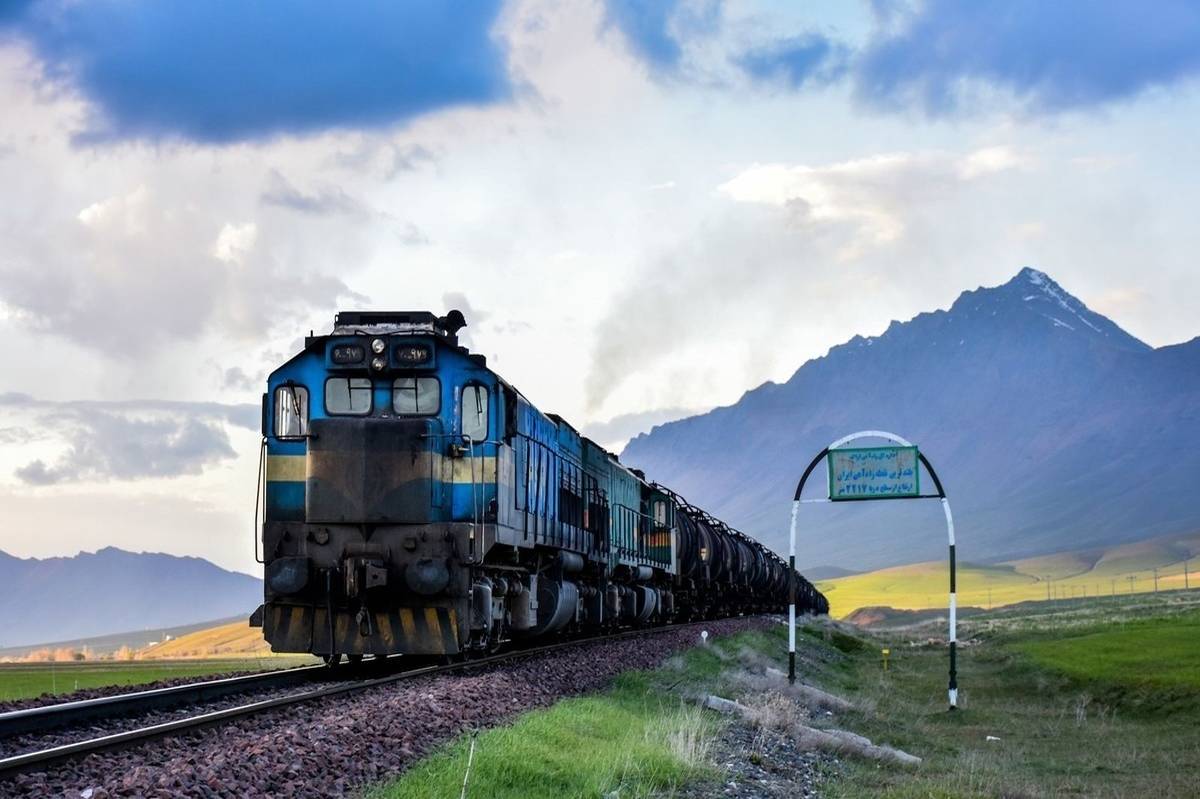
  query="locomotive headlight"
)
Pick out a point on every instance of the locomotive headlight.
point(378, 364)
point(378, 346)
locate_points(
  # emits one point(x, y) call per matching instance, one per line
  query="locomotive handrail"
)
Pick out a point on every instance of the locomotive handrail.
point(640, 549)
point(260, 488)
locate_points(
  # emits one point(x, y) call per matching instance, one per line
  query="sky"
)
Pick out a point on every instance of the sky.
point(643, 209)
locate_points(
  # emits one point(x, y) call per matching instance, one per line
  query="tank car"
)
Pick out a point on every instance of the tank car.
point(416, 503)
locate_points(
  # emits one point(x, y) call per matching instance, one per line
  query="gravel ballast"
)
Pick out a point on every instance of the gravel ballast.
point(336, 746)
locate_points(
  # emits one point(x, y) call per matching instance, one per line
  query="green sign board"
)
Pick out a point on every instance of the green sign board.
point(857, 473)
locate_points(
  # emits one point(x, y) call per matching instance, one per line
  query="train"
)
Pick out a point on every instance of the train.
point(413, 502)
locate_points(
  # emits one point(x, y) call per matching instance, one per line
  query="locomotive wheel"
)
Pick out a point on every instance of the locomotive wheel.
point(332, 661)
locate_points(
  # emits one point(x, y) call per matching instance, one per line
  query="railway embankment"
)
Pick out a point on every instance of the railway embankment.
point(342, 745)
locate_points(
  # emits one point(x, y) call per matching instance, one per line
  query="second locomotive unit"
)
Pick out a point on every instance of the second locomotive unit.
point(416, 503)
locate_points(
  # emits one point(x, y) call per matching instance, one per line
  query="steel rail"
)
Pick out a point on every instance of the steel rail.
point(62, 714)
point(41, 759)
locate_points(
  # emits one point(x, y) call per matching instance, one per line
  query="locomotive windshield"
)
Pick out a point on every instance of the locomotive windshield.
point(348, 396)
point(416, 396)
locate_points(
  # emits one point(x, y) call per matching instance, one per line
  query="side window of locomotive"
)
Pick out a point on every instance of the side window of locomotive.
point(475, 412)
point(416, 396)
point(660, 513)
point(291, 412)
point(348, 396)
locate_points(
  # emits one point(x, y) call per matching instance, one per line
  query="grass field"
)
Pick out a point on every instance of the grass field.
point(1069, 574)
point(1145, 658)
point(1082, 711)
point(22, 680)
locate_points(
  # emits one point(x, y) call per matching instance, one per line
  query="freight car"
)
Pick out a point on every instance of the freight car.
point(416, 503)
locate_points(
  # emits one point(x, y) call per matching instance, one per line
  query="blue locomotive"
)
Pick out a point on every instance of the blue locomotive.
point(416, 503)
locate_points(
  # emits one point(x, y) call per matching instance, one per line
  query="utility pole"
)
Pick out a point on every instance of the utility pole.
point(989, 597)
point(1132, 579)
point(1185, 575)
point(1156, 579)
point(1047, 579)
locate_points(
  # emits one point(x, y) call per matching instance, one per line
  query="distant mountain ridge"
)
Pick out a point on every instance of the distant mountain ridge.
point(111, 590)
point(1051, 427)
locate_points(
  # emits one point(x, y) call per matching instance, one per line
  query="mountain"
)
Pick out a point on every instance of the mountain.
point(96, 593)
point(1050, 427)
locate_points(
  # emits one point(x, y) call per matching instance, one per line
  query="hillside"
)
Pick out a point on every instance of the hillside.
point(99, 593)
point(107, 645)
point(225, 640)
point(1066, 574)
point(1050, 426)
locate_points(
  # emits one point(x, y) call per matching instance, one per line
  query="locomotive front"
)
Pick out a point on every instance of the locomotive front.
point(380, 466)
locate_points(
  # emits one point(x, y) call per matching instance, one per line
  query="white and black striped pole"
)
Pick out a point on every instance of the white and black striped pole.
point(792, 596)
point(792, 562)
point(953, 689)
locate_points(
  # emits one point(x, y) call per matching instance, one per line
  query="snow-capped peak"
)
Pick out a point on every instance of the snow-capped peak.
point(1035, 277)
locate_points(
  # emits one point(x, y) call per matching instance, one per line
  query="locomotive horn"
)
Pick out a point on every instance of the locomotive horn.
point(453, 322)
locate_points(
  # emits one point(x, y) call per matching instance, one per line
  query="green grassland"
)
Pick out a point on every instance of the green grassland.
point(1073, 574)
point(22, 680)
point(1147, 662)
point(1106, 708)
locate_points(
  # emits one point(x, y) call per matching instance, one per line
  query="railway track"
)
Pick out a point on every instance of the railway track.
point(70, 713)
point(64, 714)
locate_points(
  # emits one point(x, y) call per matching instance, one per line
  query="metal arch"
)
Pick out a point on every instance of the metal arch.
point(841, 442)
point(941, 495)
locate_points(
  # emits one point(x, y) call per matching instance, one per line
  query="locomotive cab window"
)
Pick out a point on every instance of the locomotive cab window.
point(291, 412)
point(348, 396)
point(475, 412)
point(416, 396)
point(660, 513)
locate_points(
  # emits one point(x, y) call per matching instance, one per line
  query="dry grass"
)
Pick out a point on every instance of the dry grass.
point(238, 640)
point(688, 734)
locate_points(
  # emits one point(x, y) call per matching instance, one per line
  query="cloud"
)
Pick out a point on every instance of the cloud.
point(157, 259)
point(224, 70)
point(240, 415)
point(124, 440)
point(1051, 56)
point(656, 31)
point(323, 201)
point(234, 242)
point(112, 447)
point(807, 60)
point(617, 431)
point(872, 195)
point(236, 378)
